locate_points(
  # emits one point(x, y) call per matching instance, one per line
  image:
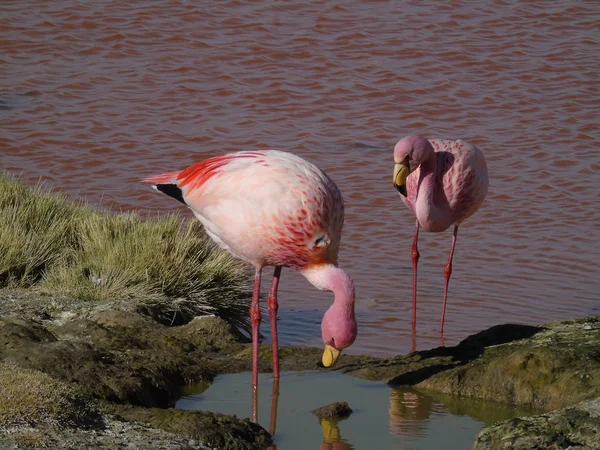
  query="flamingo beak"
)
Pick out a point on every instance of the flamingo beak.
point(401, 172)
point(330, 355)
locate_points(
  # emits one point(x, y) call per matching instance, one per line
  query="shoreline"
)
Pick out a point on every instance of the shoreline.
point(127, 370)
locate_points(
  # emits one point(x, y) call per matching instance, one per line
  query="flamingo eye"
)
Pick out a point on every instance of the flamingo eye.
point(322, 241)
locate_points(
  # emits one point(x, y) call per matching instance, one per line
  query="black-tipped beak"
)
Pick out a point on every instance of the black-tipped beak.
point(401, 172)
point(401, 189)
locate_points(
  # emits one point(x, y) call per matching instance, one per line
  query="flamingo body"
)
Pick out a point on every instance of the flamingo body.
point(451, 189)
point(269, 208)
point(443, 182)
point(273, 208)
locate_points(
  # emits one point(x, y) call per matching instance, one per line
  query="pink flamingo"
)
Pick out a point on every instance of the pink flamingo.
point(272, 208)
point(443, 182)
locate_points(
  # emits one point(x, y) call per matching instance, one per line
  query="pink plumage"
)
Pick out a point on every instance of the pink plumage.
point(443, 182)
point(268, 208)
point(272, 208)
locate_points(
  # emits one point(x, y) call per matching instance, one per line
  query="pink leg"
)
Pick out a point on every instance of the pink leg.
point(447, 273)
point(274, 401)
point(255, 316)
point(415, 260)
point(273, 307)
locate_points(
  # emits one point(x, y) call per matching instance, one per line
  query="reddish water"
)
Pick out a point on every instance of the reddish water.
point(95, 96)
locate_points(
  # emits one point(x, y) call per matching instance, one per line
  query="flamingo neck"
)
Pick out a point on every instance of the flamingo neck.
point(427, 209)
point(328, 277)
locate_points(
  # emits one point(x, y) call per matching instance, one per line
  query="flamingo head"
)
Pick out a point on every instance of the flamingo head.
point(338, 327)
point(409, 153)
point(338, 332)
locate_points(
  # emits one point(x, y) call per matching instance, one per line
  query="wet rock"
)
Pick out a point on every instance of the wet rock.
point(214, 430)
point(577, 426)
point(545, 367)
point(116, 434)
point(207, 330)
point(333, 410)
point(118, 358)
point(291, 357)
point(557, 366)
point(89, 360)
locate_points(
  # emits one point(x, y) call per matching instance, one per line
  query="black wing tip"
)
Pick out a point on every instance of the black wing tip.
point(172, 190)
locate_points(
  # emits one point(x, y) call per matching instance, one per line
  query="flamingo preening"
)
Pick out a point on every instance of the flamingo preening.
point(272, 208)
point(443, 182)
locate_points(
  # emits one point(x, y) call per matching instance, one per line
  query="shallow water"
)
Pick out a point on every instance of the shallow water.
point(95, 96)
point(382, 417)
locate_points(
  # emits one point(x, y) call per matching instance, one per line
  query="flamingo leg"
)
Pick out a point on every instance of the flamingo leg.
point(273, 307)
point(255, 316)
point(274, 401)
point(447, 273)
point(415, 259)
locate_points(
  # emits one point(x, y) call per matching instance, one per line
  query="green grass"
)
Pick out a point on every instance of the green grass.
point(59, 247)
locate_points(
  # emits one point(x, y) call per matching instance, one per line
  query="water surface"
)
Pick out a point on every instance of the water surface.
point(382, 417)
point(95, 96)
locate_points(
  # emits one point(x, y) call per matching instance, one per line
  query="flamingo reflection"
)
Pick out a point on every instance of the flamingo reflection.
point(408, 412)
point(274, 403)
point(332, 439)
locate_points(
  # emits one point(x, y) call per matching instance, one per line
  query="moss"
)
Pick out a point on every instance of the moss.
point(265, 352)
point(556, 367)
point(567, 428)
point(30, 397)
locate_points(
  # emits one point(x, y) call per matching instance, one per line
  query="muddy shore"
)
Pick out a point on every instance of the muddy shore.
point(77, 375)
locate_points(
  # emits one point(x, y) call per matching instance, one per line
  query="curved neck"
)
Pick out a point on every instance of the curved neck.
point(427, 208)
point(328, 277)
point(426, 184)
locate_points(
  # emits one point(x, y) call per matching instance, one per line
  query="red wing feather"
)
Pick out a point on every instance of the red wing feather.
point(196, 175)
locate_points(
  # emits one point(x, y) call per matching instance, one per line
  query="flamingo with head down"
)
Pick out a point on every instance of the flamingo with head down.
point(443, 182)
point(272, 208)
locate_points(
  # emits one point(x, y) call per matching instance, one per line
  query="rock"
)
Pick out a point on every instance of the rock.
point(210, 330)
point(577, 426)
point(214, 430)
point(116, 435)
point(90, 360)
point(557, 366)
point(334, 410)
point(116, 358)
point(29, 398)
point(547, 367)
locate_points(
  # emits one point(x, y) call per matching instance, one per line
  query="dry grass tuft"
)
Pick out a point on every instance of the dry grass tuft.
point(56, 246)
